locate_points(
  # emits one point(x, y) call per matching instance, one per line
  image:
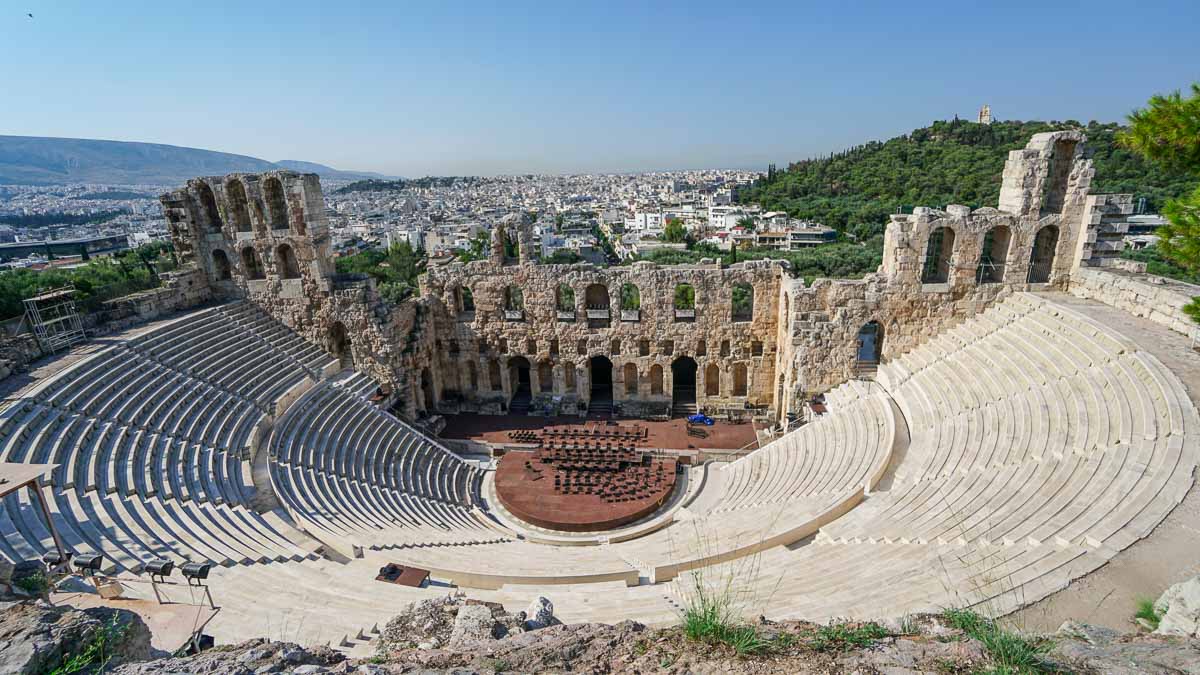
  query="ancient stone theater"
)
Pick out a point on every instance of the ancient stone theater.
point(992, 419)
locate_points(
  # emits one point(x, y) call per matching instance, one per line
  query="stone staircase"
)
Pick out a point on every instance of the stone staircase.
point(520, 401)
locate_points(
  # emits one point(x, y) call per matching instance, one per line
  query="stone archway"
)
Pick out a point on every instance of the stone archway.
point(1041, 259)
point(520, 384)
point(600, 374)
point(870, 343)
point(683, 385)
point(339, 344)
point(427, 394)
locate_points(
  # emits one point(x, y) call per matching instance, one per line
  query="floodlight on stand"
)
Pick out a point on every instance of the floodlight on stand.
point(160, 568)
point(88, 564)
point(55, 559)
point(195, 572)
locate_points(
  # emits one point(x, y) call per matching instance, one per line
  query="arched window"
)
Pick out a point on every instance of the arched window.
point(209, 205)
point(511, 246)
point(870, 343)
point(631, 297)
point(742, 304)
point(251, 263)
point(1041, 259)
point(339, 344)
point(494, 375)
point(992, 256)
point(239, 209)
point(596, 296)
point(739, 379)
point(685, 297)
point(631, 379)
point(286, 260)
point(221, 265)
point(724, 347)
point(545, 377)
point(276, 203)
point(712, 380)
point(514, 299)
point(656, 379)
point(565, 298)
point(467, 299)
point(936, 268)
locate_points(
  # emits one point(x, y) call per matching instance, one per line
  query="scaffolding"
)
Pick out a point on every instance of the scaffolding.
point(54, 320)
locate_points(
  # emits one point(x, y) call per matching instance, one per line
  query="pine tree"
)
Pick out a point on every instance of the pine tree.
point(1167, 132)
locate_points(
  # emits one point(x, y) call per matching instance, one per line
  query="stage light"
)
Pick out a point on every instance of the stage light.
point(195, 572)
point(54, 559)
point(160, 568)
point(88, 564)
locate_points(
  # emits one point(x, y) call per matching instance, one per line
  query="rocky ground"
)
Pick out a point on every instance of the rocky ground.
point(458, 635)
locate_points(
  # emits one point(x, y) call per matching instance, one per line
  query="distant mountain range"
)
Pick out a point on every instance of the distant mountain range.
point(34, 160)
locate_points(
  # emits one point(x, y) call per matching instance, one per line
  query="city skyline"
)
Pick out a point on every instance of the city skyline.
point(617, 88)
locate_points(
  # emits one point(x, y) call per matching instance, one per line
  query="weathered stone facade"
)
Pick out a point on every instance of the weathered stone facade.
point(561, 337)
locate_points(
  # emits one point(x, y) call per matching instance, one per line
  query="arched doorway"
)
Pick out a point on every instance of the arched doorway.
point(221, 265)
point(870, 343)
point(1041, 260)
point(238, 205)
point(276, 203)
point(683, 384)
point(339, 344)
point(600, 374)
point(427, 390)
point(209, 202)
point(518, 379)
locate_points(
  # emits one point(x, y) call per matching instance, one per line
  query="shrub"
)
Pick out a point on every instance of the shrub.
point(1146, 612)
point(33, 584)
point(842, 636)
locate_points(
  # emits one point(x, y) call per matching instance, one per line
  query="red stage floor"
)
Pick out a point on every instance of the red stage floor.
point(671, 434)
point(529, 493)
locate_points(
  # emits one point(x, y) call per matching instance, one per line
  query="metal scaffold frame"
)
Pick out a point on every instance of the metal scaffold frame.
point(52, 316)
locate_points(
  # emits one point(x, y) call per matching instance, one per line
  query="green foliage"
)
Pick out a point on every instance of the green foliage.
point(685, 296)
point(710, 618)
point(477, 248)
point(946, 163)
point(746, 223)
point(1167, 131)
point(1159, 265)
point(47, 219)
point(1009, 651)
point(94, 655)
point(561, 257)
point(742, 302)
point(842, 636)
point(96, 281)
point(631, 297)
point(512, 247)
point(566, 298)
point(376, 185)
point(674, 231)
point(33, 584)
point(395, 270)
point(1146, 612)
point(842, 260)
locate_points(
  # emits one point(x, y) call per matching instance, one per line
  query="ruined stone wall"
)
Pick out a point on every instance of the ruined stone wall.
point(478, 328)
point(559, 346)
point(1151, 297)
point(265, 237)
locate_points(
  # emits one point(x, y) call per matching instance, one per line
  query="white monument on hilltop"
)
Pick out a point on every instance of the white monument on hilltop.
point(985, 114)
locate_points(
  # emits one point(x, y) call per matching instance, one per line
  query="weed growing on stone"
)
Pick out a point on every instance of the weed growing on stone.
point(33, 584)
point(96, 653)
point(1010, 652)
point(1147, 613)
point(843, 636)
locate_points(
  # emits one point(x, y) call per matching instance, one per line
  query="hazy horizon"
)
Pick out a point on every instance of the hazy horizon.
point(553, 89)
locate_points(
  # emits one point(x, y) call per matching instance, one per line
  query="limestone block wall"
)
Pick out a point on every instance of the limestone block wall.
point(734, 360)
point(1155, 298)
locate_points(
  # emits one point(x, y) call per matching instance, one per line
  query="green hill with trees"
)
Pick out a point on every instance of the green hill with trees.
point(953, 162)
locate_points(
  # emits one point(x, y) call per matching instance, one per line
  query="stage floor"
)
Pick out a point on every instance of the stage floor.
point(670, 435)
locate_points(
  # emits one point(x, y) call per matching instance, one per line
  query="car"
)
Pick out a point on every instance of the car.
point(701, 418)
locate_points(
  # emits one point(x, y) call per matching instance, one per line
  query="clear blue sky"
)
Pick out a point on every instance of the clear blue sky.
point(511, 87)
